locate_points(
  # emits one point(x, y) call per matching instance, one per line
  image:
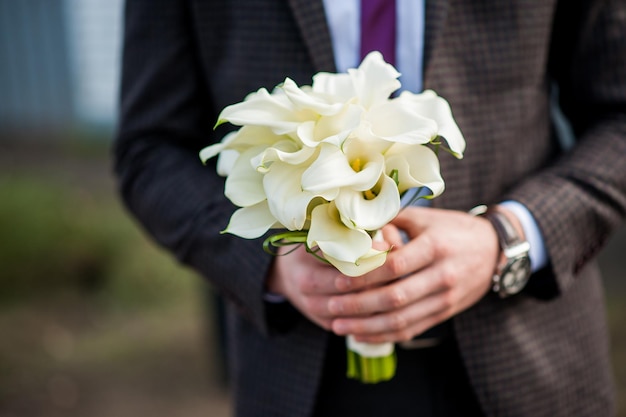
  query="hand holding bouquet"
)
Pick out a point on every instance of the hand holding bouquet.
point(327, 165)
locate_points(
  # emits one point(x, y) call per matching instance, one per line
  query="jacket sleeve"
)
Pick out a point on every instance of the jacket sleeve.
point(166, 118)
point(581, 199)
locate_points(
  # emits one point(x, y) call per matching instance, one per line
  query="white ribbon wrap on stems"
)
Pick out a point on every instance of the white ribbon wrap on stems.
point(370, 350)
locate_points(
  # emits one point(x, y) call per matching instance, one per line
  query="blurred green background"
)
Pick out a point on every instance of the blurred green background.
point(95, 320)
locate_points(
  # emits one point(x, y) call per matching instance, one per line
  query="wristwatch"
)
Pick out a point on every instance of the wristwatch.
point(513, 272)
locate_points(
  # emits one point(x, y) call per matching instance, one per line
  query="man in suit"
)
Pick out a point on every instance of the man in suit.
point(541, 351)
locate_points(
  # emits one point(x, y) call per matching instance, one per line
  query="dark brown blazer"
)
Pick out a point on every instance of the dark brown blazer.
point(542, 353)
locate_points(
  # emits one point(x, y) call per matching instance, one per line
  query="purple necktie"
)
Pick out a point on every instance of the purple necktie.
point(378, 28)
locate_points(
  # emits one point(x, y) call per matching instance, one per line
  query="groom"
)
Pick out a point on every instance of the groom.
point(532, 346)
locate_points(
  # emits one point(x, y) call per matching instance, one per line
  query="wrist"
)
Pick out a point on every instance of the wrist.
point(538, 252)
point(513, 268)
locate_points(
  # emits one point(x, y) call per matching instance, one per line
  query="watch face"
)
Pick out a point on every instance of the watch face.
point(515, 275)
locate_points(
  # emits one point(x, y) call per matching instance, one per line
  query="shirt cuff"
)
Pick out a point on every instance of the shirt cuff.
point(538, 254)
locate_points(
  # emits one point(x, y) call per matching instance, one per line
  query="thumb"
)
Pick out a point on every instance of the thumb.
point(392, 235)
point(413, 220)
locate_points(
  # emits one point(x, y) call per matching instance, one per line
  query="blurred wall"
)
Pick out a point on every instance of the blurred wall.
point(58, 63)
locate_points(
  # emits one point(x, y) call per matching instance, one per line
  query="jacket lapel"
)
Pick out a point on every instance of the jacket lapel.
point(311, 20)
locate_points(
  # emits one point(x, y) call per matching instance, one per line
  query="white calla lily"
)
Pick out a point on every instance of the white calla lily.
point(288, 201)
point(244, 185)
point(364, 146)
point(375, 80)
point(213, 150)
point(249, 136)
point(331, 129)
point(252, 222)
point(435, 107)
point(396, 122)
point(307, 99)
point(334, 239)
point(240, 140)
point(360, 211)
point(334, 144)
point(417, 166)
point(286, 151)
point(274, 111)
point(366, 263)
point(339, 87)
point(226, 161)
point(332, 169)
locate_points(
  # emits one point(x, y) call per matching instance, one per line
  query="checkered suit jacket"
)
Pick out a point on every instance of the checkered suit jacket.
point(542, 353)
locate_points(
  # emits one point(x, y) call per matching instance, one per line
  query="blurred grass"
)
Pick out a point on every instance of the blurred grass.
point(97, 321)
point(63, 228)
point(57, 239)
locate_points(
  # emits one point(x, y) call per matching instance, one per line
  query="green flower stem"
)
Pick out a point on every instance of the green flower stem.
point(437, 143)
point(371, 370)
point(290, 238)
point(284, 239)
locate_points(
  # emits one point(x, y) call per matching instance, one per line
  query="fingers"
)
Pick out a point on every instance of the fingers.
point(397, 325)
point(397, 311)
point(453, 259)
point(413, 220)
point(296, 271)
point(316, 309)
point(391, 297)
point(439, 272)
point(404, 334)
point(392, 235)
point(444, 268)
point(404, 258)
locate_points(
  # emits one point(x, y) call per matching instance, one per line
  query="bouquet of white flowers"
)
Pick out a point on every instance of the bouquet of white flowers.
point(327, 165)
